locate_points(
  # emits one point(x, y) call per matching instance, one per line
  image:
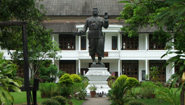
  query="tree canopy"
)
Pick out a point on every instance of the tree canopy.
point(168, 16)
point(40, 45)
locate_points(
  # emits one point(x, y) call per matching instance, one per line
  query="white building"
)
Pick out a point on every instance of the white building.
point(130, 56)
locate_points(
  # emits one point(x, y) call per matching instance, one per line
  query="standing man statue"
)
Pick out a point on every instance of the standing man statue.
point(95, 35)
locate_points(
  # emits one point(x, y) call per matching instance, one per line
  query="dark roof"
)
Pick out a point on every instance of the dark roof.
point(61, 27)
point(81, 7)
point(71, 27)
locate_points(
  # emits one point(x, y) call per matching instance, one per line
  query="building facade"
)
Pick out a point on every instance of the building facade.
point(123, 55)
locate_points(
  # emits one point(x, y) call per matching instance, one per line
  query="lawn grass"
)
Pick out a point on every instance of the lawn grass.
point(20, 97)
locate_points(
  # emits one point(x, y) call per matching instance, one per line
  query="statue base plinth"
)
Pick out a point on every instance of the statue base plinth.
point(98, 76)
point(97, 65)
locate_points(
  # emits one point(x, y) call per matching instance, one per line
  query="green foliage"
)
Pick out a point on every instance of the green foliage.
point(51, 102)
point(6, 71)
point(81, 95)
point(154, 72)
point(39, 39)
point(132, 82)
point(49, 89)
point(60, 99)
point(53, 70)
point(44, 74)
point(76, 78)
point(76, 87)
point(92, 87)
point(168, 95)
point(145, 92)
point(135, 103)
point(66, 80)
point(60, 73)
point(122, 77)
point(166, 16)
point(119, 89)
point(148, 84)
point(117, 94)
point(48, 74)
point(65, 91)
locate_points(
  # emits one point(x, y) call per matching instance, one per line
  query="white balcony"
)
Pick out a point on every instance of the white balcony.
point(144, 54)
point(112, 54)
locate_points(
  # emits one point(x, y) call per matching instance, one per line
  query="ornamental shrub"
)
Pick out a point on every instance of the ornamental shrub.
point(65, 91)
point(60, 99)
point(51, 102)
point(131, 82)
point(117, 93)
point(146, 92)
point(76, 78)
point(66, 80)
point(121, 78)
point(48, 89)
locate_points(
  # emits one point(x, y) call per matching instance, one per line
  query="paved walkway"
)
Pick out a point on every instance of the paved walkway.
point(96, 101)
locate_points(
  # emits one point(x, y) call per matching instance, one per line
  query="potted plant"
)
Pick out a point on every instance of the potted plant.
point(92, 89)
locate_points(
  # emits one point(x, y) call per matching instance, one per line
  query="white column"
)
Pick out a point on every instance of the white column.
point(173, 68)
point(53, 61)
point(79, 66)
point(79, 43)
point(119, 42)
point(53, 39)
point(119, 68)
point(172, 42)
point(146, 41)
point(31, 71)
point(146, 67)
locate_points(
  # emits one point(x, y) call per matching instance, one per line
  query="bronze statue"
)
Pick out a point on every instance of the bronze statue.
point(95, 35)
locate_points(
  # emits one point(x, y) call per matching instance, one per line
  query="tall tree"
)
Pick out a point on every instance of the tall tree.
point(40, 45)
point(168, 16)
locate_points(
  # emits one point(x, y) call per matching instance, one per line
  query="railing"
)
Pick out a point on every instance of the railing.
point(112, 54)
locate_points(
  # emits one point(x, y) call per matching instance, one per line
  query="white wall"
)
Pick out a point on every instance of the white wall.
point(141, 42)
point(113, 67)
point(77, 42)
point(108, 40)
point(56, 37)
point(141, 67)
point(168, 71)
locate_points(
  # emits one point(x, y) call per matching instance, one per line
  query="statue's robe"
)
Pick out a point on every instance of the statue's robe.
point(95, 34)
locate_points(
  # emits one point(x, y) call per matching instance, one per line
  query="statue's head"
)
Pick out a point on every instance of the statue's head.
point(95, 12)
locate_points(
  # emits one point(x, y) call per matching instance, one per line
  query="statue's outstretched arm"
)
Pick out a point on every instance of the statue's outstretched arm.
point(106, 21)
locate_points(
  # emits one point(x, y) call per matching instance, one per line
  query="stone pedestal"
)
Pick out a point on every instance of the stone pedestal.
point(98, 76)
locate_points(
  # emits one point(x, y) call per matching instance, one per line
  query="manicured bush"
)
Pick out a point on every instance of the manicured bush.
point(66, 80)
point(131, 82)
point(121, 78)
point(65, 91)
point(48, 89)
point(76, 78)
point(51, 102)
point(146, 92)
point(135, 103)
point(148, 84)
point(60, 99)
